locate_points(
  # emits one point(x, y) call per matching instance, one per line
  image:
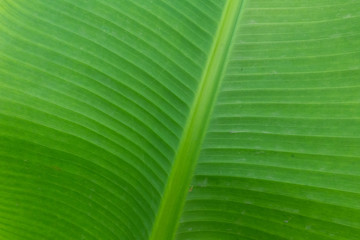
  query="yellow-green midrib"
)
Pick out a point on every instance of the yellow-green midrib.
point(186, 157)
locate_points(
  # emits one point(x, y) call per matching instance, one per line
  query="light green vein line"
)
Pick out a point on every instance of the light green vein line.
point(173, 201)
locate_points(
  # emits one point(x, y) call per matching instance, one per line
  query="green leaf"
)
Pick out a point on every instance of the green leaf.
point(160, 120)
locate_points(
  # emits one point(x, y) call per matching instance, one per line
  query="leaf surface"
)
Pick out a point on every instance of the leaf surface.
point(179, 119)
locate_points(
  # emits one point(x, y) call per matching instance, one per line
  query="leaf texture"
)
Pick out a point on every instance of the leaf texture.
point(281, 156)
point(94, 98)
point(98, 97)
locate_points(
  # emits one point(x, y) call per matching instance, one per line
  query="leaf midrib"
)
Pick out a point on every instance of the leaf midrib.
point(174, 196)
